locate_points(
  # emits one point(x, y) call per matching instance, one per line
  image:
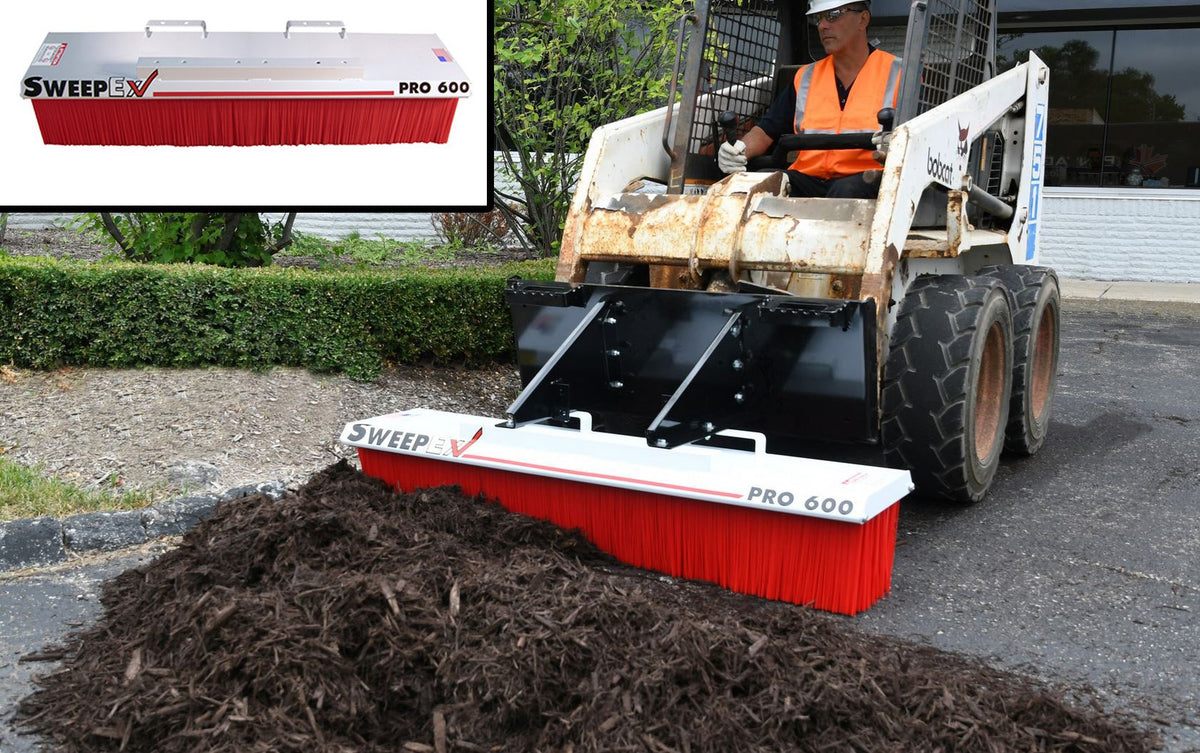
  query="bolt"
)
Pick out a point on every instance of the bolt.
point(616, 385)
point(739, 398)
point(610, 320)
point(737, 364)
point(736, 331)
point(612, 353)
point(708, 427)
point(660, 443)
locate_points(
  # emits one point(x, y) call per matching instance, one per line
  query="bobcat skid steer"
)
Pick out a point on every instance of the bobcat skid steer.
point(917, 321)
point(706, 332)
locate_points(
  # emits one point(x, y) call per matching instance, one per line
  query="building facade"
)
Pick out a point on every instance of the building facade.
point(1122, 196)
point(1123, 161)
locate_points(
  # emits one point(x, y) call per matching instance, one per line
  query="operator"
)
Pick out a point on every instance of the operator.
point(841, 93)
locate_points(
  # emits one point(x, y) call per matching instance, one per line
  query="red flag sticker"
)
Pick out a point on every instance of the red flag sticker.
point(50, 54)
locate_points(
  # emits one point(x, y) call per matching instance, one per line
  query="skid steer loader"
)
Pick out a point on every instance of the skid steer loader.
point(708, 334)
point(917, 321)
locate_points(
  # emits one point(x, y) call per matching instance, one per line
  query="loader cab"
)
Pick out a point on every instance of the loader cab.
point(743, 53)
point(750, 53)
point(665, 213)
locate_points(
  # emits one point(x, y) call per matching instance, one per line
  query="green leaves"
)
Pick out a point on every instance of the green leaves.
point(562, 69)
point(227, 239)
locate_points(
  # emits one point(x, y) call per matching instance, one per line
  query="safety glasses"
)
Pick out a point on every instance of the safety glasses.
point(831, 15)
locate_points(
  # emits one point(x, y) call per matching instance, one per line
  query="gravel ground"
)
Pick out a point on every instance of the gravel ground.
point(142, 428)
point(56, 243)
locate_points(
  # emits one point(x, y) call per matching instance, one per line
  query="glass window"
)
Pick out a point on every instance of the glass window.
point(1154, 119)
point(1079, 69)
point(1124, 105)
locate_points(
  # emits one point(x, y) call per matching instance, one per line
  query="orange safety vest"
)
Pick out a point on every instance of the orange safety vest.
point(818, 111)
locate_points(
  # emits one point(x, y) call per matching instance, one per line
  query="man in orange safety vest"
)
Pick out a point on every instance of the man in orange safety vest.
point(841, 93)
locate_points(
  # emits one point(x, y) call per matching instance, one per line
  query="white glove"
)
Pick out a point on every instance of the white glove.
point(731, 158)
point(882, 142)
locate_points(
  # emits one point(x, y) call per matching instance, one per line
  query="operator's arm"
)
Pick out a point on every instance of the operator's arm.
point(757, 142)
point(732, 158)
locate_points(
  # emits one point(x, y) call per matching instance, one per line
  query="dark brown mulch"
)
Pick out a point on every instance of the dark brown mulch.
point(350, 618)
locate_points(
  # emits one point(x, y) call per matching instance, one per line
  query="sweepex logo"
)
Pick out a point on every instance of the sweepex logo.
point(407, 441)
point(117, 87)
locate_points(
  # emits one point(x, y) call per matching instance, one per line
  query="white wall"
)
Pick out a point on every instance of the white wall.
point(329, 225)
point(1142, 234)
point(398, 226)
point(1145, 235)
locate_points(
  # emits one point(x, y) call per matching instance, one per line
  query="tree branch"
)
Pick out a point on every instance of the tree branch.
point(115, 232)
point(232, 220)
point(285, 238)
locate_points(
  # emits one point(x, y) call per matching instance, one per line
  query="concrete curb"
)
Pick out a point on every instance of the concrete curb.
point(1120, 290)
point(36, 542)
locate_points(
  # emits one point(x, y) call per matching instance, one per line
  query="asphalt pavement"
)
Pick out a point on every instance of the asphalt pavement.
point(1082, 567)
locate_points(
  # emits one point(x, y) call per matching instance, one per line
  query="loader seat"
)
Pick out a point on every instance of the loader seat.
point(784, 78)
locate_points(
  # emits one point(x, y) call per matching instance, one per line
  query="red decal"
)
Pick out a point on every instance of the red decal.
point(140, 90)
point(194, 95)
point(459, 450)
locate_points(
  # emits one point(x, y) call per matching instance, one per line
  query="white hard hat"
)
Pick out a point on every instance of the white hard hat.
point(818, 6)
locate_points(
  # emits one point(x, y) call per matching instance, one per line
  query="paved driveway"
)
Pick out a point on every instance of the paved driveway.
point(1083, 564)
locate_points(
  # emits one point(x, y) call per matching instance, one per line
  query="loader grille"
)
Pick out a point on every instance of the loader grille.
point(738, 65)
point(957, 39)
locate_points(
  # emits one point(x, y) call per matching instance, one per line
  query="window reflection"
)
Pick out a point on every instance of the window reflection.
point(1153, 127)
point(1124, 105)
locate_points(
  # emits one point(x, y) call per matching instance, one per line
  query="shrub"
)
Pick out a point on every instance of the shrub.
point(55, 313)
point(469, 229)
point(561, 69)
point(227, 239)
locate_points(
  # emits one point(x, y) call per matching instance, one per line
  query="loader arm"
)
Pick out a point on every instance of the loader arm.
point(932, 150)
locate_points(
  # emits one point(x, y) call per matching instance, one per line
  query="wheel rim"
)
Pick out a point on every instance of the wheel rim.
point(1043, 364)
point(989, 397)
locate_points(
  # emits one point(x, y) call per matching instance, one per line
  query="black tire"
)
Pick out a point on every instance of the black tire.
point(947, 385)
point(1035, 300)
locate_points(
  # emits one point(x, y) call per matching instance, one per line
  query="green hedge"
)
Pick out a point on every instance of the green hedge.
point(57, 313)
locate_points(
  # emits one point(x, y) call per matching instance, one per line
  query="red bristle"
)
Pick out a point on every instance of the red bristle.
point(831, 565)
point(244, 122)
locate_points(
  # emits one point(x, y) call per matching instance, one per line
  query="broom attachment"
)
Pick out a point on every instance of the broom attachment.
point(180, 84)
point(795, 529)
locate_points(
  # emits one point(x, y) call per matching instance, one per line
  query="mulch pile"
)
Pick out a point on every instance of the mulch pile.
point(347, 617)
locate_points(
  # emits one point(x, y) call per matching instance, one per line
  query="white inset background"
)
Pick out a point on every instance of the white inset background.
point(359, 176)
